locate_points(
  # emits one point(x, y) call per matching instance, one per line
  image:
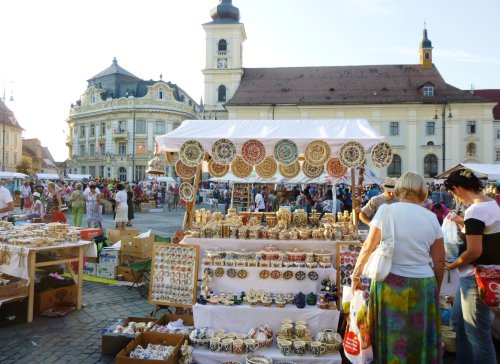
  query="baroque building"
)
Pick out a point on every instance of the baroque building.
point(11, 153)
point(431, 124)
point(112, 127)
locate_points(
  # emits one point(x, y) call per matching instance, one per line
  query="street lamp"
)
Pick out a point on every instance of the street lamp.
point(443, 118)
point(4, 121)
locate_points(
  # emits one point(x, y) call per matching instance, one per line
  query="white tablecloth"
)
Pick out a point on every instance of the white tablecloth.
point(202, 356)
point(240, 319)
point(280, 285)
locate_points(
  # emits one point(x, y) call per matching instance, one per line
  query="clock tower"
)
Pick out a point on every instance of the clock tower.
point(223, 63)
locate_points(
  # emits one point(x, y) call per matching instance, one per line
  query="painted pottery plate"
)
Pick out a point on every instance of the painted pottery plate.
point(231, 272)
point(381, 155)
point(287, 274)
point(184, 171)
point(264, 274)
point(242, 274)
point(335, 168)
point(253, 152)
point(186, 192)
point(300, 275)
point(258, 359)
point(275, 274)
point(312, 171)
point(290, 171)
point(267, 168)
point(191, 153)
point(216, 169)
point(240, 168)
point(352, 154)
point(313, 276)
point(209, 271)
point(286, 152)
point(317, 152)
point(219, 272)
point(223, 151)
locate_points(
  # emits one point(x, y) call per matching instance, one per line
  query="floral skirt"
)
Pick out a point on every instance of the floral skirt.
point(404, 320)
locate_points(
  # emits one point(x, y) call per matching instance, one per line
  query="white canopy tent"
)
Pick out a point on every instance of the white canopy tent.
point(78, 177)
point(489, 171)
point(47, 176)
point(13, 175)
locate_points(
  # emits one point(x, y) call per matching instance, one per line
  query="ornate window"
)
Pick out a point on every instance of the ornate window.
point(122, 148)
point(161, 94)
point(430, 128)
point(122, 174)
point(430, 143)
point(471, 127)
point(140, 126)
point(159, 127)
point(394, 128)
point(222, 45)
point(471, 150)
point(394, 169)
point(430, 166)
point(140, 173)
point(221, 91)
point(140, 147)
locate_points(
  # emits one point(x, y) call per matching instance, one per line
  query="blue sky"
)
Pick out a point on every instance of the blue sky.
point(50, 48)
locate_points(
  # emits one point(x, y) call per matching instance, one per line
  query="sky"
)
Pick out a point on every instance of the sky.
point(51, 48)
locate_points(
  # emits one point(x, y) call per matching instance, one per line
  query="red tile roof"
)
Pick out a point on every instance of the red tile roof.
point(493, 95)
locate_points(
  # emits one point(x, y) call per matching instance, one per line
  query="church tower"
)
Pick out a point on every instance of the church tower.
point(425, 51)
point(224, 60)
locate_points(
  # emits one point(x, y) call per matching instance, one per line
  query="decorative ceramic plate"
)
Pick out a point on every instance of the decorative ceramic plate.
point(313, 276)
point(286, 152)
point(253, 152)
point(352, 154)
point(219, 272)
point(287, 274)
point(264, 274)
point(300, 275)
point(335, 168)
point(312, 171)
point(223, 151)
point(267, 168)
point(275, 274)
point(240, 168)
point(209, 271)
point(290, 171)
point(191, 153)
point(184, 171)
point(231, 272)
point(317, 152)
point(216, 169)
point(186, 192)
point(258, 359)
point(242, 274)
point(382, 155)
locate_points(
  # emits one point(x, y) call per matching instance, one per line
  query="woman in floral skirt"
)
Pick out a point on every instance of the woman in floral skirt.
point(404, 308)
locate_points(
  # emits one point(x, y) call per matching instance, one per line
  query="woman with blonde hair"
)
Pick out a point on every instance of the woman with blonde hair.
point(404, 308)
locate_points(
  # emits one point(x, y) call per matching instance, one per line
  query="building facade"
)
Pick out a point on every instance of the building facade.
point(11, 152)
point(113, 125)
point(431, 125)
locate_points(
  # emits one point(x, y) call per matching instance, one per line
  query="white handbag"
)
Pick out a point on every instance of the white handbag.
point(379, 263)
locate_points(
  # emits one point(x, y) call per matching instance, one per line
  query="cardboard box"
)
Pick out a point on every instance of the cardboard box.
point(55, 297)
point(156, 338)
point(13, 289)
point(110, 256)
point(92, 259)
point(127, 274)
point(112, 343)
point(115, 235)
point(142, 246)
point(90, 269)
point(106, 271)
point(89, 234)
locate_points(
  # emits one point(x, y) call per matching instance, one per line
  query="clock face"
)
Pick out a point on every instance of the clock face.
point(221, 63)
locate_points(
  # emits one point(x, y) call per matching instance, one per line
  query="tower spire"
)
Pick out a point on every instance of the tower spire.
point(425, 50)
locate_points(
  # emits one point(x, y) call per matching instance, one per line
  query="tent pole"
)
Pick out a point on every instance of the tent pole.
point(353, 197)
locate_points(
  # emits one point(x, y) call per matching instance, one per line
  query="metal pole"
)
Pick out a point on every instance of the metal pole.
point(3, 128)
point(133, 150)
point(444, 136)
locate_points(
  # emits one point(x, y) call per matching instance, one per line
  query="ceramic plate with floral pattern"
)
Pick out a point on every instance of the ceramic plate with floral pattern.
point(335, 168)
point(191, 153)
point(184, 171)
point(290, 171)
point(216, 169)
point(317, 152)
point(267, 168)
point(253, 152)
point(312, 171)
point(286, 152)
point(381, 155)
point(223, 151)
point(186, 192)
point(240, 168)
point(352, 154)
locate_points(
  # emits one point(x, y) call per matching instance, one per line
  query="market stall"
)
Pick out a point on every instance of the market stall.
point(274, 265)
point(488, 171)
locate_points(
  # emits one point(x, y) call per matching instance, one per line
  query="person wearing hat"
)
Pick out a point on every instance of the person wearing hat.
point(366, 214)
point(36, 210)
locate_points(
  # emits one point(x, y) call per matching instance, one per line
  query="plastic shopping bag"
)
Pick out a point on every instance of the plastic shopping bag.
point(451, 239)
point(357, 343)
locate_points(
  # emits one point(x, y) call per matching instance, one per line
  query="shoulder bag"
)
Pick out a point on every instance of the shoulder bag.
point(379, 263)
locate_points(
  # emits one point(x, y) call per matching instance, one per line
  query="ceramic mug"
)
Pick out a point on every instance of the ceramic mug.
point(317, 348)
point(215, 344)
point(243, 336)
point(231, 335)
point(238, 346)
point(219, 331)
point(227, 345)
point(250, 345)
point(300, 323)
point(220, 335)
point(301, 331)
point(286, 329)
point(300, 347)
point(286, 321)
point(285, 347)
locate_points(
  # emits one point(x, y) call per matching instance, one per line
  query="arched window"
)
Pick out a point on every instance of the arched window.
point(427, 55)
point(222, 45)
point(160, 94)
point(92, 98)
point(430, 143)
point(471, 150)
point(430, 166)
point(394, 169)
point(221, 91)
point(122, 174)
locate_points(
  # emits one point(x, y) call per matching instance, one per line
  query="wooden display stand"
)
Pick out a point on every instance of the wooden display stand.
point(242, 196)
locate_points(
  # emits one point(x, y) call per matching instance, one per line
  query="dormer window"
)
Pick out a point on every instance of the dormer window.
point(428, 90)
point(161, 95)
point(92, 98)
